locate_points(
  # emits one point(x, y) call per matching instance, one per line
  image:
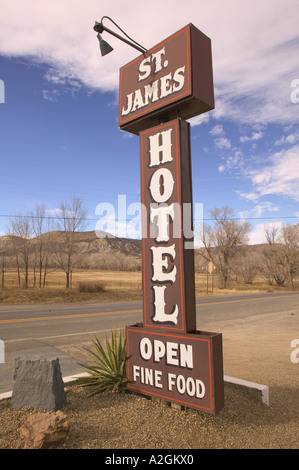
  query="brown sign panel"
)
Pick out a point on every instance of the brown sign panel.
point(172, 79)
point(166, 196)
point(182, 368)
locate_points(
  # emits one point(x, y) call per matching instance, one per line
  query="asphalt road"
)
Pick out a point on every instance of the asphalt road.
point(45, 330)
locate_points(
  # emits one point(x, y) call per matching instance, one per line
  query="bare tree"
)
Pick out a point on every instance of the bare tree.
point(2, 267)
point(21, 228)
point(281, 255)
point(246, 266)
point(71, 219)
point(289, 239)
point(41, 226)
point(224, 240)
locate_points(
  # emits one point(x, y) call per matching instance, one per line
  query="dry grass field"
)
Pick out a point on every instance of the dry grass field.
point(94, 285)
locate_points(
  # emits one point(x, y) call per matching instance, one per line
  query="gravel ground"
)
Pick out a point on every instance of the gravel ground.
point(257, 350)
point(129, 421)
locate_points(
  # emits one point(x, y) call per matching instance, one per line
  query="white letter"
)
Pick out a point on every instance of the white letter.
point(145, 347)
point(136, 372)
point(200, 389)
point(159, 350)
point(160, 148)
point(171, 381)
point(294, 357)
point(138, 101)
point(186, 356)
point(158, 376)
point(159, 306)
point(149, 376)
point(151, 92)
point(161, 185)
point(190, 386)
point(161, 212)
point(166, 87)
point(124, 111)
point(121, 216)
point(160, 261)
point(171, 353)
point(181, 384)
point(157, 58)
point(179, 79)
point(107, 223)
point(134, 225)
point(145, 69)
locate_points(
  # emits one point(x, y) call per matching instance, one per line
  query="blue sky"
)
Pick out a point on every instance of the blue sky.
point(59, 134)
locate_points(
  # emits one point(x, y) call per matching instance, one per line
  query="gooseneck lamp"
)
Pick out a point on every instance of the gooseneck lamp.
point(105, 47)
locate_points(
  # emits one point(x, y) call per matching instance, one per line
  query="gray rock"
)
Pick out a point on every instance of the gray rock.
point(38, 383)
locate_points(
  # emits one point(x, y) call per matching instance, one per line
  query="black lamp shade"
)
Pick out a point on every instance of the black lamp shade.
point(104, 46)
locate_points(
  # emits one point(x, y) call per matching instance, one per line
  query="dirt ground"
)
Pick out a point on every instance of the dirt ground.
point(257, 349)
point(125, 285)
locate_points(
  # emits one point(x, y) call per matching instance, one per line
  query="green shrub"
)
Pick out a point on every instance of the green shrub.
point(107, 370)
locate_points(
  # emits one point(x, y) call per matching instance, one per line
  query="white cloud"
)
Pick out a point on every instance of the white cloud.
point(223, 143)
point(280, 176)
point(257, 135)
point(198, 120)
point(217, 130)
point(251, 85)
point(50, 95)
point(264, 206)
point(254, 136)
point(53, 212)
point(258, 210)
point(257, 234)
point(289, 139)
point(250, 196)
point(234, 162)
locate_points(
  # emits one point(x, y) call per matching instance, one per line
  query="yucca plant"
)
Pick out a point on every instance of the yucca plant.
point(107, 370)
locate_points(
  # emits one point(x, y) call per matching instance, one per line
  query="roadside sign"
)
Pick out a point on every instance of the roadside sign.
point(167, 356)
point(180, 368)
point(168, 268)
point(174, 78)
point(211, 267)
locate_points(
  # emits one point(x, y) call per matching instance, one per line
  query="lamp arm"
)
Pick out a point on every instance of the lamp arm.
point(99, 28)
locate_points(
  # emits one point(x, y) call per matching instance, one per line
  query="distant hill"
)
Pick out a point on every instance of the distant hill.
point(94, 252)
point(91, 252)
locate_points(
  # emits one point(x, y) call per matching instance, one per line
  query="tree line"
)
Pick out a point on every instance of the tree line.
point(225, 244)
point(69, 219)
